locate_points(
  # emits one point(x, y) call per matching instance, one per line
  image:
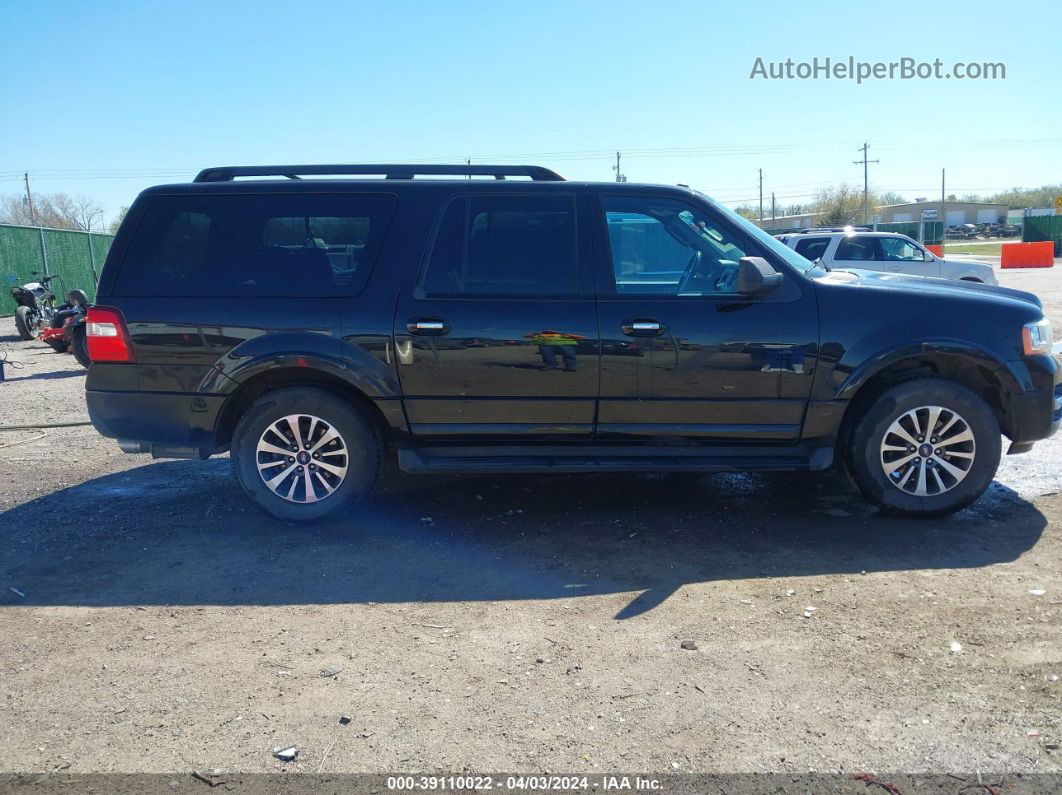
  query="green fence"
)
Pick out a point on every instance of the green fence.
point(1038, 228)
point(934, 231)
point(76, 256)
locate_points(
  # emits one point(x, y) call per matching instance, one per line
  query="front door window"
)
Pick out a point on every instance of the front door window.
point(662, 247)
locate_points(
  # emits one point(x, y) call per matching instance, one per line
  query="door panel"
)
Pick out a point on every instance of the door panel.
point(713, 369)
point(499, 337)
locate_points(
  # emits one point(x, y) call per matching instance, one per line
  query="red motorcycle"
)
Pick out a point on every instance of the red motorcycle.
point(67, 332)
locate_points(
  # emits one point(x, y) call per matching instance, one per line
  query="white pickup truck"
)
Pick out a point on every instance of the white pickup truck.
point(882, 251)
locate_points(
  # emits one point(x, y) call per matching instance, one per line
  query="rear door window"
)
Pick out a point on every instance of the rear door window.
point(504, 246)
point(812, 248)
point(269, 245)
point(858, 248)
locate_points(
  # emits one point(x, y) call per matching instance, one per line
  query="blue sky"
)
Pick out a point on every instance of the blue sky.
point(105, 99)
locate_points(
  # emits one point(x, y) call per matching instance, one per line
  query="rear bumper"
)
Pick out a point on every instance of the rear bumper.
point(170, 424)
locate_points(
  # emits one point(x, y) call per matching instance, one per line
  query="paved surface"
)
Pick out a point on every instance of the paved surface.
point(515, 623)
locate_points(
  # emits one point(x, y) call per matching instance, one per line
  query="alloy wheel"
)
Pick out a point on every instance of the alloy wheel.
point(302, 458)
point(927, 451)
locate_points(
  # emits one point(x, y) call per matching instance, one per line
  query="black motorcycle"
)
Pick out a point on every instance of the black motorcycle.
point(36, 305)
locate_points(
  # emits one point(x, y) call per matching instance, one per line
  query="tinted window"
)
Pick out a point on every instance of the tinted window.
point(812, 247)
point(857, 248)
point(504, 246)
point(898, 249)
point(667, 247)
point(254, 245)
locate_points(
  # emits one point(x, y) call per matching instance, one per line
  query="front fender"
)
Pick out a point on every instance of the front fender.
point(846, 379)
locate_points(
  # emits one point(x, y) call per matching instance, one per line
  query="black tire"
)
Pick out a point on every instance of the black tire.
point(79, 345)
point(866, 454)
point(27, 321)
point(356, 435)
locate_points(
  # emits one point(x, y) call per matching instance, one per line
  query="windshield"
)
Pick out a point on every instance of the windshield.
point(776, 246)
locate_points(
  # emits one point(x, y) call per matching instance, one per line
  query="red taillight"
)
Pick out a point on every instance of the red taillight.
point(108, 338)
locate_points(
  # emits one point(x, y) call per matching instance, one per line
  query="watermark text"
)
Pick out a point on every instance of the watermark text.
point(862, 71)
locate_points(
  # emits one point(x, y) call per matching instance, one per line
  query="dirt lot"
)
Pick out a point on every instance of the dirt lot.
point(515, 623)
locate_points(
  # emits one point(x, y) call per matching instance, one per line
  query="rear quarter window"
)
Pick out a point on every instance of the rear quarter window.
point(246, 245)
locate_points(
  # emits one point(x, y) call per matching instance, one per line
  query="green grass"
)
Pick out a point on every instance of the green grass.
point(985, 249)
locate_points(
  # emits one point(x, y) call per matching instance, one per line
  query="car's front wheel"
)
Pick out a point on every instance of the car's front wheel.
point(926, 447)
point(303, 453)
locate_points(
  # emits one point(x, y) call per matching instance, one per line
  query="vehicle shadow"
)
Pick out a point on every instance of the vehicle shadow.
point(49, 375)
point(182, 533)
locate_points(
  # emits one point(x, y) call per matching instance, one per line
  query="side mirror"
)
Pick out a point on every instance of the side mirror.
point(755, 276)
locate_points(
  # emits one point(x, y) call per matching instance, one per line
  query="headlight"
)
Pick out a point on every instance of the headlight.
point(1036, 338)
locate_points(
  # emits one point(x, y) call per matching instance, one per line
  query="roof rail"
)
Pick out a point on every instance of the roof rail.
point(812, 229)
point(389, 170)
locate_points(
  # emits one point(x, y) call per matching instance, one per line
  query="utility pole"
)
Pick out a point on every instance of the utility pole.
point(773, 217)
point(468, 162)
point(866, 181)
point(943, 215)
point(761, 198)
point(29, 200)
point(620, 176)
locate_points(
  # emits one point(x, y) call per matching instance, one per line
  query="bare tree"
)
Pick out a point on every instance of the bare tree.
point(15, 210)
point(842, 205)
point(55, 210)
point(118, 220)
point(890, 197)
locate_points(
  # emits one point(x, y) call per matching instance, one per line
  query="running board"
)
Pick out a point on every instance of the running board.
point(526, 458)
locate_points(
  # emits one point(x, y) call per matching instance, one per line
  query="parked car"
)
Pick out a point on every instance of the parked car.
point(306, 325)
point(883, 251)
point(1003, 230)
point(961, 232)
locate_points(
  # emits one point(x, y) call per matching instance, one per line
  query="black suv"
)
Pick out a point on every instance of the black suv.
point(313, 325)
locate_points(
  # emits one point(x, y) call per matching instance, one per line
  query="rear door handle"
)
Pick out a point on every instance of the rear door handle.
point(428, 326)
point(641, 328)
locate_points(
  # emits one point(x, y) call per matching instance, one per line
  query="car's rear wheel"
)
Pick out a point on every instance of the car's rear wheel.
point(303, 453)
point(926, 447)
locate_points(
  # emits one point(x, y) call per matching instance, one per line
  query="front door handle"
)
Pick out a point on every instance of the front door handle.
point(428, 326)
point(642, 328)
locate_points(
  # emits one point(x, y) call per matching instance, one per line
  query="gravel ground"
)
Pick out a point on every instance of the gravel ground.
point(515, 623)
